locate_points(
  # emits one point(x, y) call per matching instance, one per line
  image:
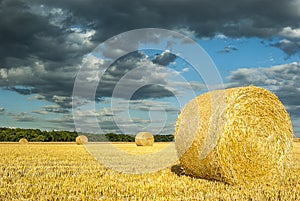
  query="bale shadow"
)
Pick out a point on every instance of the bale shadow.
point(178, 170)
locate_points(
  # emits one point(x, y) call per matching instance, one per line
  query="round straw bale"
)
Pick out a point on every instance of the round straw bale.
point(81, 139)
point(237, 135)
point(23, 141)
point(144, 139)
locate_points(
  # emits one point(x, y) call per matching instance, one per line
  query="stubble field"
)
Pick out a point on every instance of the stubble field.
point(66, 171)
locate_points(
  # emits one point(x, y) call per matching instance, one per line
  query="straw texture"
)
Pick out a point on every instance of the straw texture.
point(237, 135)
point(81, 139)
point(144, 139)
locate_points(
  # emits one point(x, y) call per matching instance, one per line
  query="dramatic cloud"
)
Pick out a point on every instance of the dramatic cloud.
point(137, 71)
point(291, 42)
point(234, 18)
point(165, 58)
point(31, 32)
point(290, 33)
point(54, 86)
point(59, 33)
point(43, 43)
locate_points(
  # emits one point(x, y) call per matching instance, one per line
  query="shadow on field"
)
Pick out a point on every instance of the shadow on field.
point(178, 170)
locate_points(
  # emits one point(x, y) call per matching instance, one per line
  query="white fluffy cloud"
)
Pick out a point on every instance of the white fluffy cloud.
point(275, 76)
point(290, 33)
point(291, 40)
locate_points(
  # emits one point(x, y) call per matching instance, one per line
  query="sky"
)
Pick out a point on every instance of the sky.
point(62, 69)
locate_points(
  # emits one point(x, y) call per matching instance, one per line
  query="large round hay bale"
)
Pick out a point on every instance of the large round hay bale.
point(23, 141)
point(81, 139)
point(237, 135)
point(144, 139)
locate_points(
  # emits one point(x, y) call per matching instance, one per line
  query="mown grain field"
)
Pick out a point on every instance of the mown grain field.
point(66, 171)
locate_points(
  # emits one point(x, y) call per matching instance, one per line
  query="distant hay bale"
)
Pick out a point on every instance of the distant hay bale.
point(23, 141)
point(81, 139)
point(144, 139)
point(237, 135)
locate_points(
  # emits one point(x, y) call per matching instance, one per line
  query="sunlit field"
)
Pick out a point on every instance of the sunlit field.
point(66, 171)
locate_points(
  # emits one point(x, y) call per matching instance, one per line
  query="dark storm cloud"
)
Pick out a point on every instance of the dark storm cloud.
point(128, 65)
point(289, 46)
point(291, 42)
point(43, 42)
point(38, 51)
point(164, 59)
point(27, 36)
point(54, 86)
point(44, 30)
point(234, 18)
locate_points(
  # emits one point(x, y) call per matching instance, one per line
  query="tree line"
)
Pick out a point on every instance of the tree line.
point(36, 135)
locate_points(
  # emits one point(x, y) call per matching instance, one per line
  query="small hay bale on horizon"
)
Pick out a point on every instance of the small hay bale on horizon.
point(23, 141)
point(81, 139)
point(144, 139)
point(238, 136)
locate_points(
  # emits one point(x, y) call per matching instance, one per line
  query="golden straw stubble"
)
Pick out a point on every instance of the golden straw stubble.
point(237, 135)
